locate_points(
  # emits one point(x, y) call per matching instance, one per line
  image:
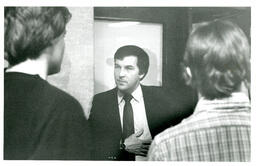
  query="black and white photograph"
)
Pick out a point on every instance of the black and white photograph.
point(99, 84)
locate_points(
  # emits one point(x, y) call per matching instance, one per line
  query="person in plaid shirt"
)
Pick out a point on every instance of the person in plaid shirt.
point(217, 64)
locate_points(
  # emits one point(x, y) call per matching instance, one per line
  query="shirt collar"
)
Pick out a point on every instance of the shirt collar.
point(228, 103)
point(136, 94)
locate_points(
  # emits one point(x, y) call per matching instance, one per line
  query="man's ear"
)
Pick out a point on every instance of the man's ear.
point(141, 75)
point(188, 71)
point(187, 75)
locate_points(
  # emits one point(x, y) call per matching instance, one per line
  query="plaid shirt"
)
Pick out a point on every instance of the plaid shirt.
point(218, 130)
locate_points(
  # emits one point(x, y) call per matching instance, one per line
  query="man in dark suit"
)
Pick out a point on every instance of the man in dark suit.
point(125, 119)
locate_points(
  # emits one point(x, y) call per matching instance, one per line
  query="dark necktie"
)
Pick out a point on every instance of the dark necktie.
point(128, 126)
point(128, 122)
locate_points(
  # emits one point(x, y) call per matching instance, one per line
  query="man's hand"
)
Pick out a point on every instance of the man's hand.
point(137, 146)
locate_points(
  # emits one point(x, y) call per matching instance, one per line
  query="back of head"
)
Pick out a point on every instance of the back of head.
point(29, 30)
point(218, 54)
point(132, 50)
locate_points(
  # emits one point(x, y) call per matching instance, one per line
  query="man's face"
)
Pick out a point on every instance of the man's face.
point(126, 74)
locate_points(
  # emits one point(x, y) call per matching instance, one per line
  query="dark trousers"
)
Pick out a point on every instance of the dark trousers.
point(126, 156)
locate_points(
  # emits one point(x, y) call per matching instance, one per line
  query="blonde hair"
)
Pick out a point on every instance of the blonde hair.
point(218, 54)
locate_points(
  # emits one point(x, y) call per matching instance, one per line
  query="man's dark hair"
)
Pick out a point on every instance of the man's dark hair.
point(132, 50)
point(218, 54)
point(29, 30)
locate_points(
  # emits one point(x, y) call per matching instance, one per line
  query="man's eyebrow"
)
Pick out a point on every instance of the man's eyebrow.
point(130, 66)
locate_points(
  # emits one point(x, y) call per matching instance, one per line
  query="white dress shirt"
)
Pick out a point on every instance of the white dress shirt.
point(139, 115)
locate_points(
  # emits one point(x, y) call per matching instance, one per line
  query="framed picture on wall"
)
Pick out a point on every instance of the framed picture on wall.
point(109, 35)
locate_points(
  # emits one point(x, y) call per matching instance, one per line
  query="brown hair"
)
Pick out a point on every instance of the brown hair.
point(132, 50)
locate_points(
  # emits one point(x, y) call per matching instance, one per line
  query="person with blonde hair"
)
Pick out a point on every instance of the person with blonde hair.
point(40, 120)
point(217, 65)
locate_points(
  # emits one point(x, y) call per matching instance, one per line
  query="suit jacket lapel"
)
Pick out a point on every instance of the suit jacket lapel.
point(114, 111)
point(148, 101)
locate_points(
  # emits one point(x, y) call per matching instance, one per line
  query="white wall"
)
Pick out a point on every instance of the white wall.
point(76, 76)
